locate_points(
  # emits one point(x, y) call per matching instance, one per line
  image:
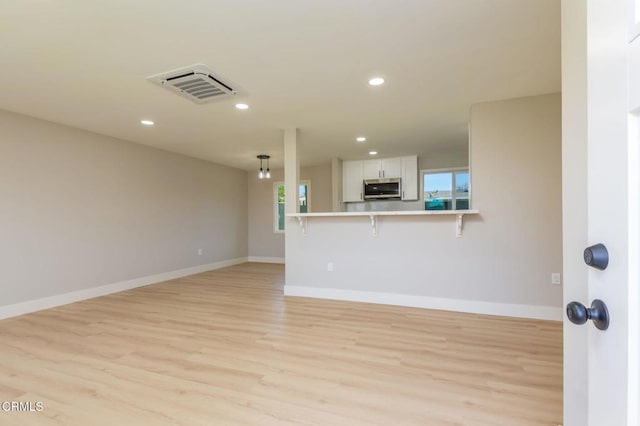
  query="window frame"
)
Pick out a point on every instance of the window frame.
point(453, 171)
point(274, 200)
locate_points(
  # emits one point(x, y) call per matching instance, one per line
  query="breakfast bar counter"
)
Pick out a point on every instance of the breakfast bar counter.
point(373, 216)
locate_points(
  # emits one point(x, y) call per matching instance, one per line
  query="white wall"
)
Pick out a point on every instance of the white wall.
point(81, 210)
point(321, 187)
point(336, 184)
point(444, 159)
point(517, 186)
point(505, 256)
point(264, 243)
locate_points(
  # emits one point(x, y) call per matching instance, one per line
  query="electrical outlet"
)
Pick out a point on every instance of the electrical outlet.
point(555, 278)
point(330, 266)
point(199, 252)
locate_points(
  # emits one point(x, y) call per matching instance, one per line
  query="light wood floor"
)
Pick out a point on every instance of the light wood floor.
point(225, 348)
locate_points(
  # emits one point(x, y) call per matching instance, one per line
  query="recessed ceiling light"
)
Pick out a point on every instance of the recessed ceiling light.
point(147, 122)
point(361, 139)
point(376, 81)
point(242, 106)
point(373, 152)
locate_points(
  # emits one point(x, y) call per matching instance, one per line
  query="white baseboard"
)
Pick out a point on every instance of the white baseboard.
point(89, 293)
point(262, 259)
point(457, 305)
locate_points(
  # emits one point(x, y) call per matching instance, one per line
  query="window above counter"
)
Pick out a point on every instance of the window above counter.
point(445, 189)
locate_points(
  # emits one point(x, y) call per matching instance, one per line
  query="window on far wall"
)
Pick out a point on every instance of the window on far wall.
point(445, 189)
point(303, 200)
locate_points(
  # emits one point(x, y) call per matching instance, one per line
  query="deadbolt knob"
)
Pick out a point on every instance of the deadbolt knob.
point(598, 313)
point(596, 256)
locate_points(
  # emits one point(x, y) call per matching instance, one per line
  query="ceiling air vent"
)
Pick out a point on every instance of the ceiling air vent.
point(197, 83)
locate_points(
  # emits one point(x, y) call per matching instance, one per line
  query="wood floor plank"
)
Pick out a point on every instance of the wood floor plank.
point(225, 347)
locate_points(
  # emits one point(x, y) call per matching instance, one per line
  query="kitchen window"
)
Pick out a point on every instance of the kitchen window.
point(303, 200)
point(445, 189)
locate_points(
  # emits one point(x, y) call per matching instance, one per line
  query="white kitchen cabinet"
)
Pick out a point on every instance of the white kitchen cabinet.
point(371, 169)
point(384, 168)
point(409, 177)
point(391, 167)
point(352, 181)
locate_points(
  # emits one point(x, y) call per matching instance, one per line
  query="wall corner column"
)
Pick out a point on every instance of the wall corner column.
point(336, 184)
point(291, 171)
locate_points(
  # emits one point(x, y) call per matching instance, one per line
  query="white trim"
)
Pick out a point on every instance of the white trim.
point(457, 305)
point(445, 170)
point(266, 259)
point(89, 293)
point(633, 8)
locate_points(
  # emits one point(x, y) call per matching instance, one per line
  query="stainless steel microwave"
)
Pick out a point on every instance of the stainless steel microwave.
point(382, 189)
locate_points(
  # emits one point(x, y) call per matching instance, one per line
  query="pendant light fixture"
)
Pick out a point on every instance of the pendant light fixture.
point(262, 174)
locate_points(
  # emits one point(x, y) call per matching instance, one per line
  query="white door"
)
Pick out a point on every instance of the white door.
point(601, 365)
point(633, 206)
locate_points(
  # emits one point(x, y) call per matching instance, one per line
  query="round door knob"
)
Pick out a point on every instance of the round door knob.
point(577, 313)
point(598, 313)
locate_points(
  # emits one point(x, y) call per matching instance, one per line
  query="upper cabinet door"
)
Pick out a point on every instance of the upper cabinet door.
point(410, 177)
point(352, 181)
point(391, 167)
point(384, 168)
point(371, 169)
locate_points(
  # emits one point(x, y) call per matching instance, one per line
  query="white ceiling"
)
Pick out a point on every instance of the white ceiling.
point(302, 63)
